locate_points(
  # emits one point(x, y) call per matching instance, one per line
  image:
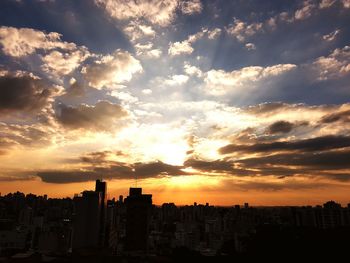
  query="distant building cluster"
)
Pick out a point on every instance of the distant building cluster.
point(90, 225)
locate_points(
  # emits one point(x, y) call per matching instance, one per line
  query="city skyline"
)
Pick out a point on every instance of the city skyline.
point(193, 100)
point(134, 189)
point(91, 228)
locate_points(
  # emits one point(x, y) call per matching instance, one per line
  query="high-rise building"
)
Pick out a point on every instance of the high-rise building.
point(86, 221)
point(101, 187)
point(138, 213)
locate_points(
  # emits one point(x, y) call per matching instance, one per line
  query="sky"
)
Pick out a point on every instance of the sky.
point(194, 101)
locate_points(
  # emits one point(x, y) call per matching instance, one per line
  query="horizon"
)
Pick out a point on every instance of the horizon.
point(116, 197)
point(220, 101)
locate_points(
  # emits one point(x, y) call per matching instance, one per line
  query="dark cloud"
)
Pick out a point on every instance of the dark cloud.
point(115, 170)
point(283, 127)
point(101, 116)
point(343, 116)
point(210, 166)
point(22, 94)
point(280, 127)
point(157, 168)
point(268, 107)
point(313, 144)
point(331, 165)
point(332, 160)
point(62, 177)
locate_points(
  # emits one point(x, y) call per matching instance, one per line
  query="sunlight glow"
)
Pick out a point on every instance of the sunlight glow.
point(193, 181)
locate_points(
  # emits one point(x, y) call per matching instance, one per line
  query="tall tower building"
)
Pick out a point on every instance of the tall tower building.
point(138, 214)
point(86, 224)
point(101, 187)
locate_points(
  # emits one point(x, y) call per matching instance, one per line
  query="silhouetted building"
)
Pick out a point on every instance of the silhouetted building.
point(135, 229)
point(138, 214)
point(55, 238)
point(101, 187)
point(86, 224)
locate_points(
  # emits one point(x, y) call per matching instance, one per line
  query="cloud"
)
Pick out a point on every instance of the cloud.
point(326, 3)
point(176, 80)
point(334, 66)
point(64, 177)
point(250, 46)
point(280, 127)
point(24, 95)
point(318, 163)
point(331, 36)
point(59, 58)
point(156, 169)
point(136, 30)
point(214, 33)
point(75, 89)
point(305, 11)
point(147, 91)
point(330, 164)
point(220, 82)
point(63, 63)
point(185, 47)
point(124, 97)
point(142, 47)
point(111, 70)
point(267, 107)
point(33, 135)
point(100, 157)
point(209, 166)
point(147, 50)
point(322, 143)
point(242, 30)
point(283, 127)
point(25, 41)
point(6, 144)
point(159, 12)
point(179, 48)
point(154, 53)
point(341, 116)
point(192, 70)
point(271, 109)
point(114, 170)
point(346, 3)
point(101, 117)
point(9, 177)
point(189, 7)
